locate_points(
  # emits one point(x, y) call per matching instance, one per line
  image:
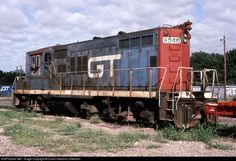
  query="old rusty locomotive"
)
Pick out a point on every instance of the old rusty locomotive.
point(142, 76)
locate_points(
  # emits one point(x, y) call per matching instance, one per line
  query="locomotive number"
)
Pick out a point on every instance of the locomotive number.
point(171, 40)
point(100, 68)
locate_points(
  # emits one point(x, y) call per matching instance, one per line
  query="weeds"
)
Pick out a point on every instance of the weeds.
point(24, 135)
point(153, 146)
point(6, 116)
point(52, 136)
point(220, 146)
point(68, 129)
point(131, 137)
point(203, 133)
point(200, 133)
point(60, 136)
point(170, 132)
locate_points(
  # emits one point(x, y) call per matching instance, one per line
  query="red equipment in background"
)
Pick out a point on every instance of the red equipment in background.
point(224, 109)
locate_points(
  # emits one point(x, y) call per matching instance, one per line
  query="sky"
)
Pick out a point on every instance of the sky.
point(27, 25)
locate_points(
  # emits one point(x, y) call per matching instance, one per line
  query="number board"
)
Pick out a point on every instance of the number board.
point(171, 40)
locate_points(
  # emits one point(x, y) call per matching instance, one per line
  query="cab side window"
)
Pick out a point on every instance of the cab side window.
point(47, 58)
point(35, 62)
point(35, 65)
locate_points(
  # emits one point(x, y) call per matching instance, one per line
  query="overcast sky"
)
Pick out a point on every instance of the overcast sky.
point(27, 25)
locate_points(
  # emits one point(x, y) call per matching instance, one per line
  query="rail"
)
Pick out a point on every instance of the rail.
point(179, 75)
point(130, 72)
point(204, 79)
point(81, 80)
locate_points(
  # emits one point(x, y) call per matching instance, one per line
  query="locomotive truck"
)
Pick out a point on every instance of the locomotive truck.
point(143, 76)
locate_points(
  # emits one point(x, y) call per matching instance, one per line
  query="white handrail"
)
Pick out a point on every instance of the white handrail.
point(128, 70)
point(175, 104)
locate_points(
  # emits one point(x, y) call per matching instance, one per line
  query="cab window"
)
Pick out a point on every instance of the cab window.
point(35, 65)
point(35, 62)
point(47, 58)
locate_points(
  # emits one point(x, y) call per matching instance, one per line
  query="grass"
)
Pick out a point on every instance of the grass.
point(60, 136)
point(221, 146)
point(131, 137)
point(92, 140)
point(25, 135)
point(68, 129)
point(199, 133)
point(203, 133)
point(153, 146)
point(7, 116)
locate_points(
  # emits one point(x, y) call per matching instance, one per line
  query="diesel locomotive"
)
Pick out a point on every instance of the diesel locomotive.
point(143, 76)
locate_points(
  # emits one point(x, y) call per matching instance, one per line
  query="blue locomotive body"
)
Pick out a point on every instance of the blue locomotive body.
point(143, 76)
point(102, 62)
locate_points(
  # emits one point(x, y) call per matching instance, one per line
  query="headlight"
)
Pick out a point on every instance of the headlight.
point(185, 35)
point(185, 38)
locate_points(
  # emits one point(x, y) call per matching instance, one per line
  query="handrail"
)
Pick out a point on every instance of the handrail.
point(203, 76)
point(202, 73)
point(13, 86)
point(149, 85)
point(215, 76)
point(175, 104)
point(159, 92)
point(130, 70)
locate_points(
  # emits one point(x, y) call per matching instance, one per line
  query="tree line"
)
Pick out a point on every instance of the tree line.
point(198, 61)
point(7, 78)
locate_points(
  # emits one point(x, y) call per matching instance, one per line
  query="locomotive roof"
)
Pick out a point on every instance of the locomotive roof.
point(119, 35)
point(122, 34)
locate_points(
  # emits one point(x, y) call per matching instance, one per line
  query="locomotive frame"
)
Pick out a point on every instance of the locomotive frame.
point(142, 76)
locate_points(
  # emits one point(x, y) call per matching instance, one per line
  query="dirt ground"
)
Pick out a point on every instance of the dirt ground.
point(171, 148)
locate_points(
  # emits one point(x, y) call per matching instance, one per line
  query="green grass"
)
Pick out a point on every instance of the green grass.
point(221, 146)
point(7, 116)
point(68, 129)
point(18, 114)
point(60, 136)
point(25, 135)
point(203, 134)
point(91, 140)
point(199, 133)
point(131, 137)
point(159, 137)
point(153, 146)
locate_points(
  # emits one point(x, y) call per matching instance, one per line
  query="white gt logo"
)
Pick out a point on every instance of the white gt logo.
point(100, 67)
point(4, 88)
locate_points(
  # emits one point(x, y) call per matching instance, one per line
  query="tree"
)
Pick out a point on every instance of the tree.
point(7, 78)
point(231, 67)
point(200, 60)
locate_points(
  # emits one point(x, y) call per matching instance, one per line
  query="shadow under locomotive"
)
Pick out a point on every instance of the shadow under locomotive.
point(105, 109)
